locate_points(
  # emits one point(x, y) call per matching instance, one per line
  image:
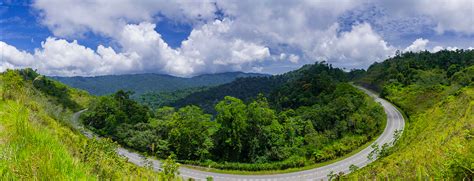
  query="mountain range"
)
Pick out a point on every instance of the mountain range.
point(149, 82)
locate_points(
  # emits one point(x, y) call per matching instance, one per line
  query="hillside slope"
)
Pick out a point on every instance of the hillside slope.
point(437, 143)
point(142, 83)
point(436, 91)
point(296, 88)
point(37, 141)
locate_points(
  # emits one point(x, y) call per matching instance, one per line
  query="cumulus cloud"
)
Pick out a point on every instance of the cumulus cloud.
point(212, 43)
point(12, 57)
point(60, 57)
point(153, 50)
point(418, 45)
point(246, 34)
point(357, 48)
point(68, 17)
point(207, 49)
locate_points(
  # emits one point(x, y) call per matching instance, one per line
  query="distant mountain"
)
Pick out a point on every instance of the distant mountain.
point(142, 83)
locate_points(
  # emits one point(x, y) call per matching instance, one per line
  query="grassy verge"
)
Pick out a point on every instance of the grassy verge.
point(30, 151)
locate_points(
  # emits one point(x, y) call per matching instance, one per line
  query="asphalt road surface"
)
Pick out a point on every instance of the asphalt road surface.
point(395, 122)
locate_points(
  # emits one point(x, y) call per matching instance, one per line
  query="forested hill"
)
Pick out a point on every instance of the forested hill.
point(423, 68)
point(296, 88)
point(436, 92)
point(142, 83)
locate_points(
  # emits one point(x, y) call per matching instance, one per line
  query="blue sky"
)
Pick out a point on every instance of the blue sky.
point(187, 38)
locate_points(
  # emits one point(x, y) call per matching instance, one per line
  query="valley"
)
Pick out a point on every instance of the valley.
point(342, 131)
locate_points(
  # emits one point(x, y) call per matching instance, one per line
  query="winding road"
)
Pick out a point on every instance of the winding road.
point(395, 122)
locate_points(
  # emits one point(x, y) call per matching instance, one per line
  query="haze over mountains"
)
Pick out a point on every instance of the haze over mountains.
point(142, 83)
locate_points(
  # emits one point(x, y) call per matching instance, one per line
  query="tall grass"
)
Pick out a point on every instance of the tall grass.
point(29, 151)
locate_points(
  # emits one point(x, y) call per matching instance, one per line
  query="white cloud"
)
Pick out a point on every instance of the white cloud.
point(207, 49)
point(12, 57)
point(71, 18)
point(154, 52)
point(60, 57)
point(293, 58)
point(452, 15)
point(418, 45)
point(355, 49)
point(437, 49)
point(211, 47)
point(242, 41)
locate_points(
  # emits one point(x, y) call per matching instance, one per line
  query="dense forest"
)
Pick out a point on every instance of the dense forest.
point(245, 89)
point(145, 83)
point(319, 118)
point(156, 99)
point(436, 91)
point(290, 90)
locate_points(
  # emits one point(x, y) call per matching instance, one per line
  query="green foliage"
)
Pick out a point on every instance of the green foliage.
point(233, 120)
point(435, 91)
point(353, 168)
point(160, 99)
point(321, 118)
point(464, 77)
point(36, 143)
point(106, 113)
point(411, 68)
point(12, 85)
point(309, 86)
point(245, 89)
point(170, 168)
point(191, 132)
point(59, 92)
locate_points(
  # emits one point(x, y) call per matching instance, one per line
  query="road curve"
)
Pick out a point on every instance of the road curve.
point(395, 122)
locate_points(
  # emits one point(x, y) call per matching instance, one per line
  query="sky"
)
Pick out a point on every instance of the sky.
point(187, 38)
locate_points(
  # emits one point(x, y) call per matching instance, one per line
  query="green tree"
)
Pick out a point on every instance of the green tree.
point(232, 116)
point(170, 168)
point(191, 133)
point(265, 134)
